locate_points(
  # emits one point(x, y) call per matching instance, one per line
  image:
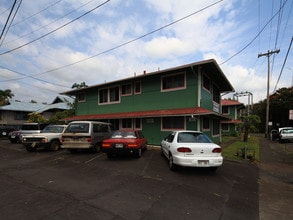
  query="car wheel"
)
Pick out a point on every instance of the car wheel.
point(13, 141)
point(172, 166)
point(30, 148)
point(138, 153)
point(54, 145)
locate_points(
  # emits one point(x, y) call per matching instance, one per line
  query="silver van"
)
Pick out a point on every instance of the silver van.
point(85, 135)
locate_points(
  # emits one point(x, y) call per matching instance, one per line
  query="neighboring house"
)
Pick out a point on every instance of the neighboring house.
point(183, 97)
point(231, 109)
point(16, 112)
point(60, 103)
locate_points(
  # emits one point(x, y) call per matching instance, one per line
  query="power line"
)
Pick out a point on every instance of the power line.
point(30, 16)
point(7, 20)
point(11, 22)
point(27, 76)
point(256, 35)
point(16, 48)
point(283, 64)
point(123, 44)
point(44, 26)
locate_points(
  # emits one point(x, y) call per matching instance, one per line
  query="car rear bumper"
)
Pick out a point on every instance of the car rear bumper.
point(198, 161)
point(120, 150)
point(76, 145)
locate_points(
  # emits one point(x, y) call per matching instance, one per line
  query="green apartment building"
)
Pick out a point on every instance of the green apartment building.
point(186, 97)
point(231, 109)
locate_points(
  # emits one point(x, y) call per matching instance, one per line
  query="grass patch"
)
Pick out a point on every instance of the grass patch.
point(233, 150)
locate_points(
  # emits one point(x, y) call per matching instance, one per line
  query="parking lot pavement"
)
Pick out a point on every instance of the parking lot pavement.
point(60, 185)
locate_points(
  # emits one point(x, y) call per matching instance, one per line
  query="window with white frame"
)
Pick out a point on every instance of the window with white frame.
point(216, 94)
point(126, 123)
point(81, 97)
point(225, 110)
point(206, 83)
point(173, 123)
point(126, 89)
point(173, 82)
point(205, 123)
point(137, 87)
point(137, 123)
point(216, 127)
point(109, 95)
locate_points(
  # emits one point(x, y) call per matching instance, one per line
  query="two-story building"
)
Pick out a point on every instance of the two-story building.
point(183, 97)
point(231, 109)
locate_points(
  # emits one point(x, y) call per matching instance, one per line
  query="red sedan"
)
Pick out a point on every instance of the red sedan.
point(125, 142)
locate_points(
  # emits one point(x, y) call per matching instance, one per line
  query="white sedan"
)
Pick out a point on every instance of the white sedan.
point(191, 149)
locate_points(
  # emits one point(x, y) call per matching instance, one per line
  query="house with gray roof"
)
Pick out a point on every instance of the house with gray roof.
point(16, 112)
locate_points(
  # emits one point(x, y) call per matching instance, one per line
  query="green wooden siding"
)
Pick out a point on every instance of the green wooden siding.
point(151, 98)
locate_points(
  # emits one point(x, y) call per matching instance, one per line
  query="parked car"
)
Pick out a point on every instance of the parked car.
point(81, 135)
point(286, 135)
point(191, 149)
point(26, 128)
point(49, 137)
point(5, 130)
point(125, 142)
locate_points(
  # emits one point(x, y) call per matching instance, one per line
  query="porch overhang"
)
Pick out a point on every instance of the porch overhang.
point(194, 111)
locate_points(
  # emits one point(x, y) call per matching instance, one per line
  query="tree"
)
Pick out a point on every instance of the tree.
point(36, 117)
point(79, 86)
point(280, 104)
point(59, 116)
point(4, 95)
point(249, 125)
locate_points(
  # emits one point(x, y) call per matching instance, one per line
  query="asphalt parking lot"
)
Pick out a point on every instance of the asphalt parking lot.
point(61, 185)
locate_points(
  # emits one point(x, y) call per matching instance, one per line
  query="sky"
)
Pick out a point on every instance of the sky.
point(48, 45)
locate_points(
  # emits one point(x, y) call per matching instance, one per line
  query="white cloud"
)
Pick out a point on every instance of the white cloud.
point(217, 32)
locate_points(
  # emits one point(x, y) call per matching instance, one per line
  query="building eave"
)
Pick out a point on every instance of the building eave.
point(194, 111)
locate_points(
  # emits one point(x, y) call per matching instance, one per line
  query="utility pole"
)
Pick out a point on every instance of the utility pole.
point(268, 54)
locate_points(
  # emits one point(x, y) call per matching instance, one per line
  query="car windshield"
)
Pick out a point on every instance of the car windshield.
point(52, 129)
point(123, 134)
point(29, 127)
point(192, 137)
point(77, 128)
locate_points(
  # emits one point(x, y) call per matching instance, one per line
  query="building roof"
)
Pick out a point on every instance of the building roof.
point(226, 102)
point(60, 103)
point(59, 106)
point(147, 114)
point(209, 66)
point(15, 105)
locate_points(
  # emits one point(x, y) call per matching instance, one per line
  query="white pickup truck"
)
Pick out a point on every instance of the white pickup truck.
point(49, 137)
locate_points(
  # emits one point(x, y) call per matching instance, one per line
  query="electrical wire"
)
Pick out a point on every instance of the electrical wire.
point(46, 25)
point(121, 45)
point(249, 43)
point(7, 20)
point(16, 48)
point(283, 64)
point(30, 16)
point(11, 22)
point(28, 76)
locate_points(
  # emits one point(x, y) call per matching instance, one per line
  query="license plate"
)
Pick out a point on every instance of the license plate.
point(203, 162)
point(119, 145)
point(12, 136)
